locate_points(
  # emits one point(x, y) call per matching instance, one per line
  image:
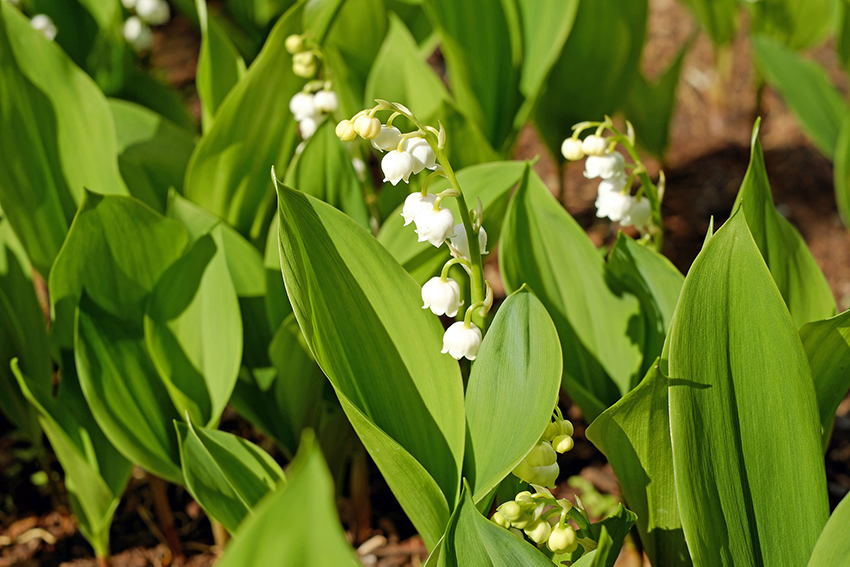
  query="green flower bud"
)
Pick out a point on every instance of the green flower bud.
point(562, 443)
point(542, 455)
point(524, 496)
point(500, 520)
point(511, 510)
point(562, 540)
point(566, 427)
point(294, 43)
point(552, 430)
point(538, 531)
point(546, 476)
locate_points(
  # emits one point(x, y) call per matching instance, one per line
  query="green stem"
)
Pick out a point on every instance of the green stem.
point(646, 183)
point(445, 273)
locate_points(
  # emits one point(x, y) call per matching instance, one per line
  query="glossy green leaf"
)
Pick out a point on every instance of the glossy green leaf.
point(220, 66)
point(719, 18)
point(827, 345)
point(794, 269)
point(806, 88)
point(126, 396)
point(512, 391)
point(361, 315)
point(193, 330)
point(741, 388)
point(55, 126)
point(601, 330)
point(634, 435)
point(152, 152)
point(298, 523)
point(253, 131)
point(833, 546)
point(472, 539)
point(95, 472)
point(795, 24)
point(841, 171)
point(277, 303)
point(226, 474)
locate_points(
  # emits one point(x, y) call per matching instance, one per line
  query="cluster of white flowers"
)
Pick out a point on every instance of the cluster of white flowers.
point(137, 28)
point(310, 107)
point(304, 55)
point(45, 25)
point(614, 199)
point(540, 466)
point(541, 517)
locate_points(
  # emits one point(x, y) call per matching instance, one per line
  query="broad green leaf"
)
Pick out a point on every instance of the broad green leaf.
point(741, 389)
point(277, 303)
point(833, 546)
point(472, 539)
point(220, 66)
point(794, 269)
point(597, 65)
point(546, 24)
point(296, 524)
point(126, 396)
point(146, 90)
point(324, 170)
point(795, 24)
point(806, 88)
point(598, 557)
point(253, 131)
point(719, 18)
point(600, 329)
point(256, 13)
point(841, 171)
point(490, 182)
point(95, 473)
point(193, 330)
point(842, 32)
point(827, 345)
point(512, 391)
point(152, 152)
point(634, 435)
point(56, 134)
point(361, 315)
point(226, 474)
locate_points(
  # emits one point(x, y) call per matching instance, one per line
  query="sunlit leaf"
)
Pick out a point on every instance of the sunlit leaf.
point(833, 546)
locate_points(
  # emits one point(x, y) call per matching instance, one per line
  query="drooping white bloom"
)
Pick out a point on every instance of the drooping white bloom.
point(43, 24)
point(387, 139)
point(461, 242)
point(434, 226)
point(415, 204)
point(154, 12)
point(639, 213)
point(325, 101)
point(462, 341)
point(613, 184)
point(572, 149)
point(441, 297)
point(307, 127)
point(345, 131)
point(605, 166)
point(359, 168)
point(302, 105)
point(423, 155)
point(613, 205)
point(397, 166)
point(594, 145)
point(138, 34)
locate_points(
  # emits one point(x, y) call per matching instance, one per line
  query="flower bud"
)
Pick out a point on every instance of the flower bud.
point(387, 139)
point(511, 510)
point(542, 475)
point(308, 127)
point(594, 145)
point(613, 205)
point(138, 34)
point(566, 427)
point(462, 341)
point(303, 105)
point(461, 242)
point(500, 520)
point(345, 131)
point(541, 455)
point(414, 204)
point(442, 297)
point(154, 12)
point(562, 540)
point(326, 101)
point(606, 166)
point(423, 155)
point(553, 429)
point(562, 443)
point(43, 24)
point(294, 43)
point(639, 213)
point(538, 531)
point(396, 165)
point(129, 4)
point(434, 226)
point(368, 127)
point(304, 64)
point(524, 496)
point(572, 149)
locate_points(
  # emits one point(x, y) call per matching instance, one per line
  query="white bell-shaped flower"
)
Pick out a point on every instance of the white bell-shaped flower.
point(434, 226)
point(154, 12)
point(302, 105)
point(614, 184)
point(605, 166)
point(388, 139)
point(138, 34)
point(423, 156)
point(639, 213)
point(43, 24)
point(308, 126)
point(415, 204)
point(397, 166)
point(461, 242)
point(594, 145)
point(613, 205)
point(462, 341)
point(325, 101)
point(572, 149)
point(441, 297)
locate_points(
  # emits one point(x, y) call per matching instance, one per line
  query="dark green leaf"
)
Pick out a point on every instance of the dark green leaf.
point(220, 66)
point(841, 172)
point(719, 18)
point(797, 25)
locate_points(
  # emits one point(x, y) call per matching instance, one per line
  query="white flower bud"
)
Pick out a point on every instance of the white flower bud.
point(129, 4)
point(541, 455)
point(562, 540)
point(538, 531)
point(462, 341)
point(605, 166)
point(414, 204)
point(396, 165)
point(639, 213)
point(294, 43)
point(302, 105)
point(387, 139)
point(614, 184)
point(154, 12)
point(572, 149)
point(308, 126)
point(138, 34)
point(43, 24)
point(461, 242)
point(368, 127)
point(326, 101)
point(594, 145)
point(434, 226)
point(442, 297)
point(613, 205)
point(359, 168)
point(562, 443)
point(423, 155)
point(345, 131)
point(304, 70)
